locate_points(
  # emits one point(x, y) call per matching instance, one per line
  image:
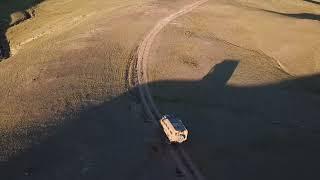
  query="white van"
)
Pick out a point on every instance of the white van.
point(174, 129)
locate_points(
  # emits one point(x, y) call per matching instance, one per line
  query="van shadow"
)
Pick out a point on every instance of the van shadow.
point(269, 131)
point(6, 9)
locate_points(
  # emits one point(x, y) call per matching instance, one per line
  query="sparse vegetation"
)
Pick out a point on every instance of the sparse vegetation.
point(65, 97)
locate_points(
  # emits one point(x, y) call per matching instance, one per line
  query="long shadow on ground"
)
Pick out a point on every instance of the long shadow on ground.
point(314, 2)
point(309, 16)
point(7, 7)
point(269, 131)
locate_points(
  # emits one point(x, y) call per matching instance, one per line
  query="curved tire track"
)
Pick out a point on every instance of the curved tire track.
point(182, 159)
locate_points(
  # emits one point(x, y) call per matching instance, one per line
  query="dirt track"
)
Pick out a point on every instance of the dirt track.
point(184, 162)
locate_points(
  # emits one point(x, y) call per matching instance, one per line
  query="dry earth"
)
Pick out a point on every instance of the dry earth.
point(242, 74)
point(66, 112)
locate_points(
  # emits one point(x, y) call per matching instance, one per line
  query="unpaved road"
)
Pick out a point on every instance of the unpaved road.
point(178, 154)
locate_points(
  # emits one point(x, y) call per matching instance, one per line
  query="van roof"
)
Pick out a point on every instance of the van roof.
point(177, 123)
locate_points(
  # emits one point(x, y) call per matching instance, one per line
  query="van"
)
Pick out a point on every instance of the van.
point(174, 129)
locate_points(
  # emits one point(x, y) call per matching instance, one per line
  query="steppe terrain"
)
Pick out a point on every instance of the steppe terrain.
point(244, 75)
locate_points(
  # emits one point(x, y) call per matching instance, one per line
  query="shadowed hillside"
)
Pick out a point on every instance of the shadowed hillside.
point(309, 16)
point(257, 132)
point(314, 2)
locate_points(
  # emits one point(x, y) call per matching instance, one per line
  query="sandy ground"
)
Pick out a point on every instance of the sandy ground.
point(66, 111)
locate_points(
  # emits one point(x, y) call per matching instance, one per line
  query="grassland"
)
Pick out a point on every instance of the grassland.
point(241, 74)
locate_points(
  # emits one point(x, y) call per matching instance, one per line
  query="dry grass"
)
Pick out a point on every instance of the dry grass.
point(63, 61)
point(73, 54)
point(237, 114)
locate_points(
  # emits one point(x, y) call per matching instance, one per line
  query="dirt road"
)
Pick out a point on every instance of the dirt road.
point(178, 154)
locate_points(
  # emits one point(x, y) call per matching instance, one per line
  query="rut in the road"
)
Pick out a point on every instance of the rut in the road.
point(182, 159)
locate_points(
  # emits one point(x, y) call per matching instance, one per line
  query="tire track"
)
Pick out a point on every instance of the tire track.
point(181, 158)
